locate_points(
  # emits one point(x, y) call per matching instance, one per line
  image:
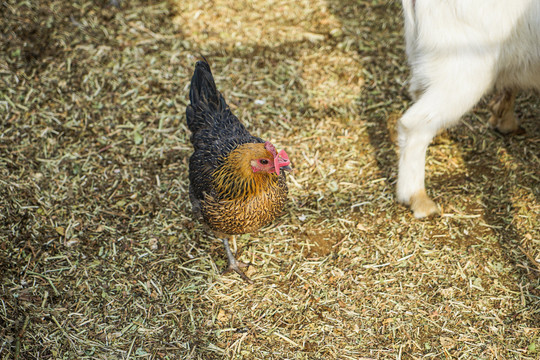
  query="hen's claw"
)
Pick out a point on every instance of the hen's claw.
point(235, 266)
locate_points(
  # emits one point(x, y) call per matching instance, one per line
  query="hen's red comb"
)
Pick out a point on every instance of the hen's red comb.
point(268, 146)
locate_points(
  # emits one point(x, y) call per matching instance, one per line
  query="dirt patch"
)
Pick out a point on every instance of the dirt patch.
point(315, 244)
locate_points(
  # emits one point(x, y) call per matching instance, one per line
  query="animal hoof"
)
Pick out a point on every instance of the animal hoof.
point(422, 205)
point(518, 131)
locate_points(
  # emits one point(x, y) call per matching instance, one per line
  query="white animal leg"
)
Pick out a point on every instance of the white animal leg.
point(413, 142)
point(440, 106)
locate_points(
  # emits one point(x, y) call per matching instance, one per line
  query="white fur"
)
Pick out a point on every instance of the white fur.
point(459, 50)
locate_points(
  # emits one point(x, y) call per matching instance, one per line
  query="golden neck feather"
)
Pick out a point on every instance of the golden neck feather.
point(236, 179)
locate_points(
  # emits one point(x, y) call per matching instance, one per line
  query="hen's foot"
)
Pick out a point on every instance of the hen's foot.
point(235, 265)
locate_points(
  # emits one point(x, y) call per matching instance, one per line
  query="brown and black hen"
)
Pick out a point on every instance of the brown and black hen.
point(236, 180)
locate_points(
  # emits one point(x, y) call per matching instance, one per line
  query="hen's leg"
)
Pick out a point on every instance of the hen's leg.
point(234, 265)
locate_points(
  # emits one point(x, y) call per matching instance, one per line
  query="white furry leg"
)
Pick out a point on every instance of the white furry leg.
point(414, 138)
point(440, 106)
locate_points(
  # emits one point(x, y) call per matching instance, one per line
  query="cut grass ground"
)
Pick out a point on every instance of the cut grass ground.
point(100, 258)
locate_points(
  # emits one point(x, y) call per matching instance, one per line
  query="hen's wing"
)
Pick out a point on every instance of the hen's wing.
point(215, 131)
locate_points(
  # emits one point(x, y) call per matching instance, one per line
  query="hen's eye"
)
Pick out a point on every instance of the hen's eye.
point(264, 162)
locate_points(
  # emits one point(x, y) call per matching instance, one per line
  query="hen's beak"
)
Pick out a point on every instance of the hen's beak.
point(286, 168)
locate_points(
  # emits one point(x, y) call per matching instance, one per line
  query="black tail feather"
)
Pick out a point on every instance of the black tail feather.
point(203, 88)
point(204, 97)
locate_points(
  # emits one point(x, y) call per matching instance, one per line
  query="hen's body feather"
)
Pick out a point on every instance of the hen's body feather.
point(216, 134)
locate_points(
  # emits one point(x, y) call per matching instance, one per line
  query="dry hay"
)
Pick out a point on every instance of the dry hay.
point(100, 258)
